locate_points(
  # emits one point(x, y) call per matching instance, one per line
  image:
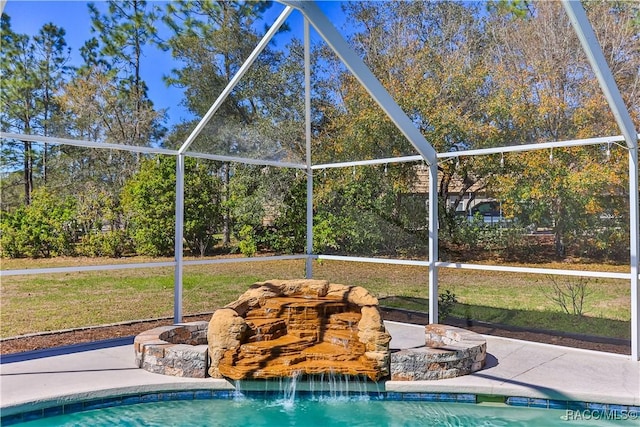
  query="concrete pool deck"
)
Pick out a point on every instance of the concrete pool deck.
point(513, 368)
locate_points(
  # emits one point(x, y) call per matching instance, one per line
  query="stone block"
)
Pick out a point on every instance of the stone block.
point(156, 349)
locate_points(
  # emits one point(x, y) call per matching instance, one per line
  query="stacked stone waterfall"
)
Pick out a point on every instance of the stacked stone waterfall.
point(280, 328)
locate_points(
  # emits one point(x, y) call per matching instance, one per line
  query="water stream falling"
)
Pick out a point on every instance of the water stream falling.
point(237, 393)
point(325, 387)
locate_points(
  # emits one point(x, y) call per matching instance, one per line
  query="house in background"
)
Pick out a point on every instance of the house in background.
point(465, 197)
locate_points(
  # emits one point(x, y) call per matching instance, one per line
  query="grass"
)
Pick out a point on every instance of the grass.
point(528, 319)
point(40, 303)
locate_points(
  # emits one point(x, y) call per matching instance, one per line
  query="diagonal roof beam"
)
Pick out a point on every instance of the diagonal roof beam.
point(236, 78)
point(358, 68)
point(592, 48)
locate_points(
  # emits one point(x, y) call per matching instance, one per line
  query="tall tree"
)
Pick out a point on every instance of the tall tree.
point(32, 70)
point(549, 93)
point(126, 28)
point(107, 102)
point(53, 54)
point(18, 97)
point(124, 32)
point(431, 57)
point(212, 39)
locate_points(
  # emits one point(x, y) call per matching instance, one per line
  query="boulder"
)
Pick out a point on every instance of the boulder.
point(226, 332)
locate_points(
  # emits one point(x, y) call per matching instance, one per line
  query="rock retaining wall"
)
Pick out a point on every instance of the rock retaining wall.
point(179, 350)
point(449, 352)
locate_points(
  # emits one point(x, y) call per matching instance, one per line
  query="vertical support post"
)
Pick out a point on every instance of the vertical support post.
point(634, 248)
point(307, 119)
point(177, 280)
point(433, 243)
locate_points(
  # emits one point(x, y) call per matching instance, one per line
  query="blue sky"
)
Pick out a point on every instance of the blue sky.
point(27, 17)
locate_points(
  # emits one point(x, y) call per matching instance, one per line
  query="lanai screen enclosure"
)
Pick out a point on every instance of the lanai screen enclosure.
point(425, 152)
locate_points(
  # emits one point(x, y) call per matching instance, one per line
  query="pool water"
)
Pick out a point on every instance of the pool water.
point(351, 411)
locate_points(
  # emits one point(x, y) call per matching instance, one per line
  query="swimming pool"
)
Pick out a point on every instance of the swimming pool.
point(216, 408)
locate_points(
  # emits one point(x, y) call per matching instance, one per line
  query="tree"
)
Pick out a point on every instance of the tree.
point(98, 110)
point(18, 98)
point(123, 32)
point(50, 46)
point(107, 102)
point(431, 57)
point(549, 93)
point(31, 70)
point(112, 70)
point(212, 39)
point(148, 202)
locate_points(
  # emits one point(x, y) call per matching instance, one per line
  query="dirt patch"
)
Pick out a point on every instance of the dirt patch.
point(59, 339)
point(79, 336)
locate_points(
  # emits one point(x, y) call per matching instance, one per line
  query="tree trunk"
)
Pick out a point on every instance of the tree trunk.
point(28, 172)
point(226, 216)
point(44, 163)
point(559, 232)
point(559, 244)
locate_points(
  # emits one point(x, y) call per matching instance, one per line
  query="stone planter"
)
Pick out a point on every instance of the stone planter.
point(449, 352)
point(179, 350)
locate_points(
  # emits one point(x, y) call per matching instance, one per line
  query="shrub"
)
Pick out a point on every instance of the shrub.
point(44, 228)
point(569, 293)
point(113, 243)
point(446, 303)
point(148, 202)
point(247, 244)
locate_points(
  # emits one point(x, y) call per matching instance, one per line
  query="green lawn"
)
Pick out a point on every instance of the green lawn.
point(40, 303)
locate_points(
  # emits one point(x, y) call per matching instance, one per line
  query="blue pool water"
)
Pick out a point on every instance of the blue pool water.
point(343, 411)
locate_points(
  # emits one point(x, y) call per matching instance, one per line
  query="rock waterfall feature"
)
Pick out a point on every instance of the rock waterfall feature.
point(292, 328)
point(282, 328)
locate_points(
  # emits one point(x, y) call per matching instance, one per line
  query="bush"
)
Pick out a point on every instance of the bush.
point(446, 303)
point(324, 237)
point(148, 202)
point(569, 293)
point(45, 228)
point(113, 243)
point(10, 241)
point(247, 244)
point(605, 244)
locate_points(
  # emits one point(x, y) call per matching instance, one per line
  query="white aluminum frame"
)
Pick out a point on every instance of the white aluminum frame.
point(236, 78)
point(479, 267)
point(87, 144)
point(307, 131)
point(592, 48)
point(427, 154)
